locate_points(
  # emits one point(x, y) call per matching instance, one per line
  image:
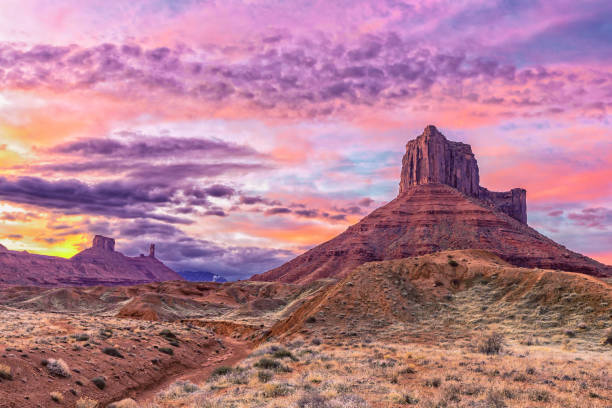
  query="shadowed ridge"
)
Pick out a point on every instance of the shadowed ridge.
point(423, 289)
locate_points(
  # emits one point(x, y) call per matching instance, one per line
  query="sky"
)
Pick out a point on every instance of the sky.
point(237, 134)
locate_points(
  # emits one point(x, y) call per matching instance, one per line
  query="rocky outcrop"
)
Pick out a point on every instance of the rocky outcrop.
point(440, 207)
point(431, 158)
point(98, 265)
point(513, 202)
point(104, 243)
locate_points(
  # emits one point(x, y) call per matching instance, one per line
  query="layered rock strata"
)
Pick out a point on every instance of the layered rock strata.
point(440, 206)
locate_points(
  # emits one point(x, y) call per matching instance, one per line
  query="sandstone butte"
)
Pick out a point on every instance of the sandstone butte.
point(98, 265)
point(440, 206)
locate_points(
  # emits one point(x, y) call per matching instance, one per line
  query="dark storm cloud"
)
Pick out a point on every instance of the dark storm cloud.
point(219, 190)
point(111, 198)
point(145, 147)
point(277, 210)
point(181, 253)
point(123, 199)
point(140, 228)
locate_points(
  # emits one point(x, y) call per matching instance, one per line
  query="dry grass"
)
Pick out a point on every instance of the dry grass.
point(356, 374)
point(57, 396)
point(125, 403)
point(58, 368)
point(5, 372)
point(87, 403)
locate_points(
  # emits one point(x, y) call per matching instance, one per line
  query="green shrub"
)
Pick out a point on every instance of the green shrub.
point(111, 351)
point(282, 353)
point(99, 382)
point(220, 371)
point(167, 350)
point(268, 364)
point(264, 375)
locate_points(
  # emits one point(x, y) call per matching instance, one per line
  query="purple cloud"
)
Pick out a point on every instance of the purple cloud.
point(219, 190)
point(598, 217)
point(308, 76)
point(277, 210)
point(112, 198)
point(144, 147)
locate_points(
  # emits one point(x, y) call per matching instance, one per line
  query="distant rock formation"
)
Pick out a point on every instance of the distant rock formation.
point(98, 265)
point(440, 206)
point(431, 158)
point(104, 243)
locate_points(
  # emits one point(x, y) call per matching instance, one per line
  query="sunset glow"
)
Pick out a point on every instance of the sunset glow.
point(236, 134)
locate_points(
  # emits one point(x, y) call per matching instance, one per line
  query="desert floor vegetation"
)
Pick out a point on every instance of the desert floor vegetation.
point(381, 374)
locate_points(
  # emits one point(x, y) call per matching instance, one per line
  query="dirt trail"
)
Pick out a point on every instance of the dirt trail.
point(235, 352)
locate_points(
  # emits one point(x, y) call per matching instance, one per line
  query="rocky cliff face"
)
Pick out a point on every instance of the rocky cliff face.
point(98, 265)
point(431, 159)
point(440, 207)
point(104, 243)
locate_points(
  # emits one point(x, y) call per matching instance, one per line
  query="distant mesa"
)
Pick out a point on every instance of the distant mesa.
point(440, 206)
point(103, 243)
point(98, 265)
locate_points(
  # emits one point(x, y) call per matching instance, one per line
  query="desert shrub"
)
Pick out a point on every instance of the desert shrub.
point(105, 333)
point(570, 333)
point(453, 263)
point(433, 382)
point(530, 341)
point(608, 336)
point(406, 370)
point(311, 319)
point(495, 399)
point(268, 364)
point(86, 403)
point(349, 401)
point(166, 350)
point(265, 375)
point(491, 344)
point(407, 399)
point(81, 337)
point(111, 351)
point(125, 403)
point(538, 395)
point(220, 371)
point(312, 400)
point(452, 393)
point(167, 334)
point(178, 390)
point(282, 353)
point(56, 396)
point(99, 382)
point(520, 378)
point(5, 372)
point(274, 390)
point(316, 341)
point(58, 368)
point(239, 376)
